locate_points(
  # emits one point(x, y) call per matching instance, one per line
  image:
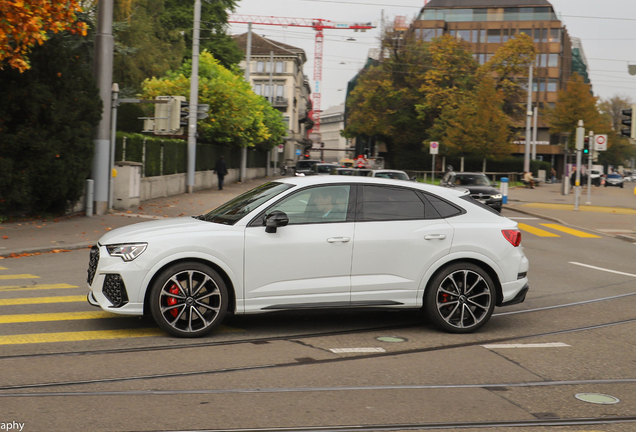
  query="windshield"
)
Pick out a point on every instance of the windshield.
point(392, 175)
point(471, 180)
point(232, 211)
point(324, 168)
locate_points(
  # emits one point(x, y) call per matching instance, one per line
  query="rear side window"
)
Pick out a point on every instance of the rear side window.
point(484, 206)
point(386, 203)
point(444, 208)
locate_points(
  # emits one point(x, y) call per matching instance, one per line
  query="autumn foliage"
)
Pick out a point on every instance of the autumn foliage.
point(25, 23)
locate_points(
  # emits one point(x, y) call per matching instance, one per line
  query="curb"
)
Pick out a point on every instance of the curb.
point(13, 253)
point(559, 221)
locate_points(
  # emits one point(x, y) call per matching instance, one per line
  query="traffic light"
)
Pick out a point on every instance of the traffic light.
point(184, 111)
point(586, 146)
point(630, 121)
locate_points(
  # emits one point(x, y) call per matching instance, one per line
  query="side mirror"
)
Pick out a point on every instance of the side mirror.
point(274, 220)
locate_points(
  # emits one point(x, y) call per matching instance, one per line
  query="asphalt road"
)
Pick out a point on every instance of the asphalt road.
point(67, 366)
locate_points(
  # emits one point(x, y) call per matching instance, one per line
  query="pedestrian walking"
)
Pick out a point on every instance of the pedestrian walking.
point(553, 175)
point(221, 171)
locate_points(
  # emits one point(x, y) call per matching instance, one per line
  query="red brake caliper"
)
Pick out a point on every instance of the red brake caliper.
point(173, 301)
point(445, 297)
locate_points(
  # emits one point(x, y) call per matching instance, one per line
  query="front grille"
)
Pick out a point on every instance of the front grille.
point(92, 264)
point(115, 290)
point(480, 196)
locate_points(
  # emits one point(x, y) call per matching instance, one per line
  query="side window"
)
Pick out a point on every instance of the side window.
point(444, 208)
point(386, 203)
point(316, 205)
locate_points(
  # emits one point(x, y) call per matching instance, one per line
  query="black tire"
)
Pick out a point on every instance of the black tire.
point(454, 308)
point(188, 299)
point(621, 185)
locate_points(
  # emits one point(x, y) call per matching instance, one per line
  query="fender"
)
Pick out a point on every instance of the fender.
point(455, 256)
point(203, 255)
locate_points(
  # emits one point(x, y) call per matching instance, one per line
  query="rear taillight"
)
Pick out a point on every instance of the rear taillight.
point(513, 236)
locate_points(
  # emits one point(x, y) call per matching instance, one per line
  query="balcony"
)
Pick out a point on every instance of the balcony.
point(278, 102)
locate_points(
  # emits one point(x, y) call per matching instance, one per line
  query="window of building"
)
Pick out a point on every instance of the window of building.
point(494, 35)
point(280, 67)
point(258, 89)
point(542, 14)
point(526, 31)
point(511, 14)
point(555, 35)
point(260, 66)
point(464, 35)
point(526, 14)
point(505, 35)
point(553, 60)
point(495, 14)
point(553, 84)
point(428, 34)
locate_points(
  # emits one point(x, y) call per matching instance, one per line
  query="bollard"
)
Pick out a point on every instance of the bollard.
point(504, 190)
point(89, 197)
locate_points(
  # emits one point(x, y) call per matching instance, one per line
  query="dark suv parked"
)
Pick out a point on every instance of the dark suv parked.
point(479, 186)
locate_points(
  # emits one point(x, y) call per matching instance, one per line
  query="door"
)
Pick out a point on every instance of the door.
point(397, 237)
point(308, 262)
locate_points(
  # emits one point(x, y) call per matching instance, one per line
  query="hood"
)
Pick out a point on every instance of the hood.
point(145, 231)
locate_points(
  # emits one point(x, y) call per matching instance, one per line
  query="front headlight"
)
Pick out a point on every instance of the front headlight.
point(498, 196)
point(300, 174)
point(127, 252)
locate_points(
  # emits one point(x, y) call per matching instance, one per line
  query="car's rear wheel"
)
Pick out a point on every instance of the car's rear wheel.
point(461, 298)
point(188, 299)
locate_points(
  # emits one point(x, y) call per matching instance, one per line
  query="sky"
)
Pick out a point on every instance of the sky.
point(607, 29)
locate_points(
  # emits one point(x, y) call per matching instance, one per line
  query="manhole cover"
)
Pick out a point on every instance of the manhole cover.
point(390, 339)
point(597, 398)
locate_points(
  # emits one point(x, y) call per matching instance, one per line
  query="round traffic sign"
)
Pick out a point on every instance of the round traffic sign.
point(600, 139)
point(434, 144)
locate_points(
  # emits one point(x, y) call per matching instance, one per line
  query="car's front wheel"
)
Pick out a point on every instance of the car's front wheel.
point(461, 298)
point(188, 299)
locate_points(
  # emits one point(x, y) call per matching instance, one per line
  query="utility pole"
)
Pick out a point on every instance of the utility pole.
point(194, 99)
point(103, 72)
point(580, 138)
point(534, 133)
point(590, 152)
point(526, 158)
point(113, 123)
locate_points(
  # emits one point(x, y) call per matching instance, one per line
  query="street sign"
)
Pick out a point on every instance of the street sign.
point(434, 147)
point(600, 142)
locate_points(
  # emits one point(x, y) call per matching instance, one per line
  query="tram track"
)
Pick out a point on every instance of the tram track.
point(34, 386)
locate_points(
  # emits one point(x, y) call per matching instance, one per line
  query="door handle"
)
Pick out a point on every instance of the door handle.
point(435, 237)
point(338, 239)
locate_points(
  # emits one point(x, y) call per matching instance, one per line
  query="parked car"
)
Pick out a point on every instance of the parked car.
point(322, 169)
point(390, 174)
point(303, 167)
point(343, 171)
point(478, 185)
point(614, 180)
point(595, 177)
point(377, 242)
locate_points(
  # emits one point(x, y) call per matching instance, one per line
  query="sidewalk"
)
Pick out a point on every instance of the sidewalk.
point(613, 213)
point(79, 231)
point(612, 210)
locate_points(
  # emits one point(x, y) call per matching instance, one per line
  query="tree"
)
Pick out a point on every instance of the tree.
point(510, 66)
point(612, 109)
point(478, 126)
point(237, 116)
point(47, 125)
point(26, 23)
point(576, 103)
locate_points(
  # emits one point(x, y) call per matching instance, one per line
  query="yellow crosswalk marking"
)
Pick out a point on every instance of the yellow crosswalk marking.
point(35, 287)
point(78, 336)
point(41, 300)
point(64, 316)
point(3, 268)
point(567, 230)
point(537, 231)
point(18, 276)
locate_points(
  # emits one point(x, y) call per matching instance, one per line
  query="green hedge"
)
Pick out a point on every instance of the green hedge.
point(175, 154)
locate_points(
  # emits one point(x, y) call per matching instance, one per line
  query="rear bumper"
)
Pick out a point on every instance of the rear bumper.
point(519, 298)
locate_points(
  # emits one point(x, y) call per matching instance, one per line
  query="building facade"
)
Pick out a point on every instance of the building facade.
point(488, 24)
point(276, 73)
point(334, 147)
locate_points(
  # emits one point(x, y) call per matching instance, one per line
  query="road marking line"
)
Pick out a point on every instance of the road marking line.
point(356, 350)
point(537, 231)
point(567, 230)
point(535, 345)
point(3, 268)
point(41, 300)
point(19, 276)
point(596, 209)
point(63, 316)
point(602, 269)
point(78, 336)
point(35, 287)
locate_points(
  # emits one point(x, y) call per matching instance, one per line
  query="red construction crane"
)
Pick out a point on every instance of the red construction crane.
point(318, 25)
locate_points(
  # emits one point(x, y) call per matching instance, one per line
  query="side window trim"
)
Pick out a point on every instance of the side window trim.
point(460, 210)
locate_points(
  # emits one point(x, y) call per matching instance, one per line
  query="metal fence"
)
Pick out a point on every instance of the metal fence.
point(169, 156)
